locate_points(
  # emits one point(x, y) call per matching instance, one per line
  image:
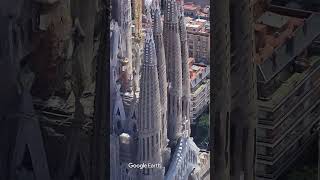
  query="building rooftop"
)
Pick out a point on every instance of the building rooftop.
point(273, 30)
point(197, 25)
point(191, 6)
point(281, 35)
point(195, 70)
point(273, 20)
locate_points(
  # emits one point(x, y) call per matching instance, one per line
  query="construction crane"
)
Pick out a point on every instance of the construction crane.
point(138, 19)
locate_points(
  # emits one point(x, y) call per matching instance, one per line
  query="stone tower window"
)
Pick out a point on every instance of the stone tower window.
point(148, 148)
point(143, 150)
point(152, 141)
point(119, 125)
point(134, 128)
point(157, 138)
point(134, 115)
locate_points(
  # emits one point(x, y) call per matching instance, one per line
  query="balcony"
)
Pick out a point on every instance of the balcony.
point(290, 119)
point(303, 126)
point(275, 169)
point(284, 98)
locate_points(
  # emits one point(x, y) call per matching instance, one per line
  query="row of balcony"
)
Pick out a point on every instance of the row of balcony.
point(306, 125)
point(289, 94)
point(272, 171)
point(290, 119)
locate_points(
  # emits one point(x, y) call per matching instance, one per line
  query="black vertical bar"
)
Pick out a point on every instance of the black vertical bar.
point(100, 139)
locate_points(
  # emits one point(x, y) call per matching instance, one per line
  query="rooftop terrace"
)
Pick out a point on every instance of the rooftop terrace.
point(273, 30)
point(282, 35)
point(289, 85)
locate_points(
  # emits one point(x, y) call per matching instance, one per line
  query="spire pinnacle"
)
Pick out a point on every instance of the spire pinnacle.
point(149, 46)
point(171, 11)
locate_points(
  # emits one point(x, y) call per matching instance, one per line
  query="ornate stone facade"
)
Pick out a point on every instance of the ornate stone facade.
point(156, 112)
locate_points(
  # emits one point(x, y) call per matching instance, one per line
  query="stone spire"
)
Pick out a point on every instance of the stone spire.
point(114, 50)
point(174, 70)
point(149, 121)
point(185, 72)
point(126, 31)
point(161, 64)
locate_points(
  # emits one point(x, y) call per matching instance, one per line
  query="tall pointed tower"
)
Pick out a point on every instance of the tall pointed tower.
point(161, 64)
point(126, 35)
point(174, 70)
point(149, 120)
point(162, 74)
point(185, 72)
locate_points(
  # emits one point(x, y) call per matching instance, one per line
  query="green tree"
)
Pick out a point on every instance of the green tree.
point(203, 128)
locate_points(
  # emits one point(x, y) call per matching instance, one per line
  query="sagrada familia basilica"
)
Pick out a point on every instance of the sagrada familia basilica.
point(150, 95)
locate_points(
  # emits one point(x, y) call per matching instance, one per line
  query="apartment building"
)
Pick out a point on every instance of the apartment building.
point(198, 32)
point(288, 73)
point(200, 88)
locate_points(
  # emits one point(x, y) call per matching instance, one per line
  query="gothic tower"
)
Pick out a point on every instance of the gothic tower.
point(149, 120)
point(126, 23)
point(174, 70)
point(185, 72)
point(162, 74)
point(161, 64)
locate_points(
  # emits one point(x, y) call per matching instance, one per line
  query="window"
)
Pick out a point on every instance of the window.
point(152, 142)
point(143, 148)
point(134, 128)
point(148, 148)
point(118, 112)
point(134, 115)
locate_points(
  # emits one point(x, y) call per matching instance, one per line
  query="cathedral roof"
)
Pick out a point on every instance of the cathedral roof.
point(184, 148)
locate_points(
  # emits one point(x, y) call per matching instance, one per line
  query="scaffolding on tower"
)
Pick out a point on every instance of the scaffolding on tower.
point(138, 20)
